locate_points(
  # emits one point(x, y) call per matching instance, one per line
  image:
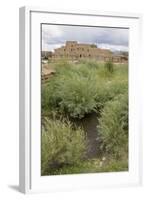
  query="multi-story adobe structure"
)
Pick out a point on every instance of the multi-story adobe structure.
point(75, 51)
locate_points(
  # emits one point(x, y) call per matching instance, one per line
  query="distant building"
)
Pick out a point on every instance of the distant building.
point(119, 58)
point(46, 54)
point(75, 51)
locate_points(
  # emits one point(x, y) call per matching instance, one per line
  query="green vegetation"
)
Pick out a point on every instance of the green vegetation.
point(93, 166)
point(89, 63)
point(75, 90)
point(109, 67)
point(113, 127)
point(61, 145)
point(70, 92)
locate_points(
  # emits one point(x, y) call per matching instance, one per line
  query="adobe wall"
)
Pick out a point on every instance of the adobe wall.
point(74, 51)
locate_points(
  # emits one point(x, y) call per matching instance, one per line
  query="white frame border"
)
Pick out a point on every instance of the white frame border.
point(25, 91)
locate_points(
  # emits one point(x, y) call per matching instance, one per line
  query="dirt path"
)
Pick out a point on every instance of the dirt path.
point(47, 69)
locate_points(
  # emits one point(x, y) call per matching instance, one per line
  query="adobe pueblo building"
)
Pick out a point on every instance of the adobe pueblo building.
point(75, 51)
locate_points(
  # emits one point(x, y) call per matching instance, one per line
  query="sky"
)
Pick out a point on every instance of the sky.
point(55, 36)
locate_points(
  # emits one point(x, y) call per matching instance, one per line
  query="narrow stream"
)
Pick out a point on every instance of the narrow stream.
point(89, 124)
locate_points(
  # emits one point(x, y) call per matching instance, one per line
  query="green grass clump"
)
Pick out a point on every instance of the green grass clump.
point(113, 127)
point(50, 97)
point(71, 92)
point(61, 63)
point(93, 166)
point(109, 67)
point(109, 90)
point(78, 96)
point(61, 145)
point(90, 63)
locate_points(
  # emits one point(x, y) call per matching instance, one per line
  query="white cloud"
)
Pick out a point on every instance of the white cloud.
point(113, 47)
point(54, 36)
point(48, 33)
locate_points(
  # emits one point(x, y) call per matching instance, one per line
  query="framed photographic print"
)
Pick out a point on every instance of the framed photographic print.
point(79, 100)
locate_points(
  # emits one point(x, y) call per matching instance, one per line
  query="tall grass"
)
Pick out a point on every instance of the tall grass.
point(61, 145)
point(93, 166)
point(109, 67)
point(79, 89)
point(113, 127)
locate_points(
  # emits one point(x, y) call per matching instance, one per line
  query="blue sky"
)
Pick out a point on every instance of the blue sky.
point(54, 36)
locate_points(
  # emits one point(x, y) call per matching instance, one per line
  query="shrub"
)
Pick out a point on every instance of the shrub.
point(78, 96)
point(113, 127)
point(49, 97)
point(109, 66)
point(70, 92)
point(109, 90)
point(79, 89)
point(61, 145)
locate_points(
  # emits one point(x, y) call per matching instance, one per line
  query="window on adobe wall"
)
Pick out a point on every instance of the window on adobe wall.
point(80, 55)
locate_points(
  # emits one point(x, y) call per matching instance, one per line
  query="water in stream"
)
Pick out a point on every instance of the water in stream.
point(89, 124)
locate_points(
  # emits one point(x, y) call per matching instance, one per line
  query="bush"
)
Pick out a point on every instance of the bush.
point(78, 96)
point(79, 89)
point(70, 92)
point(50, 98)
point(113, 127)
point(61, 145)
point(109, 66)
point(109, 90)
